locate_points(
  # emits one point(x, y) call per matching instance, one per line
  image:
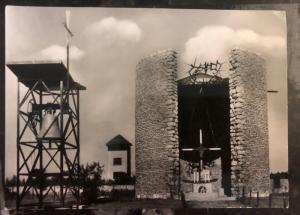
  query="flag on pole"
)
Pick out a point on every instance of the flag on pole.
point(68, 13)
point(67, 25)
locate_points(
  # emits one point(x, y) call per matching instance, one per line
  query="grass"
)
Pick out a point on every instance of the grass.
point(122, 206)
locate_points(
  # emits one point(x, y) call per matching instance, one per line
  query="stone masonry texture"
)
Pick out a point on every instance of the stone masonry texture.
point(248, 123)
point(157, 145)
point(157, 152)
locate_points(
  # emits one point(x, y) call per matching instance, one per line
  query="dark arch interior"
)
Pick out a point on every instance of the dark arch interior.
point(205, 106)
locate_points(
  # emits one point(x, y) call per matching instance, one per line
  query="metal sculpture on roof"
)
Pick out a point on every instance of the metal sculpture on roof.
point(209, 70)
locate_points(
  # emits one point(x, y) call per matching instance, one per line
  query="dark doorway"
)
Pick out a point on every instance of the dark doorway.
point(205, 106)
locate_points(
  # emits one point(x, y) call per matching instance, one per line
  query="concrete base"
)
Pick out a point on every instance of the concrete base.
point(213, 196)
point(221, 191)
point(202, 188)
point(204, 192)
point(210, 197)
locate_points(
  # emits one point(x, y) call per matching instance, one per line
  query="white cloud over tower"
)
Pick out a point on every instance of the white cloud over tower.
point(214, 42)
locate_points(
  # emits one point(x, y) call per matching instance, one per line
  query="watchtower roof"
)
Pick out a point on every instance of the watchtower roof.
point(51, 73)
point(118, 143)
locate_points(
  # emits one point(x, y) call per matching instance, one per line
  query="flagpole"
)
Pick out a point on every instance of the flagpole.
point(68, 72)
point(68, 35)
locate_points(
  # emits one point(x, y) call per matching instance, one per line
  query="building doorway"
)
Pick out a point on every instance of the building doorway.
point(204, 106)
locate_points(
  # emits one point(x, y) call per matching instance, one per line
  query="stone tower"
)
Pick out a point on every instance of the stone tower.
point(156, 137)
point(249, 123)
point(157, 141)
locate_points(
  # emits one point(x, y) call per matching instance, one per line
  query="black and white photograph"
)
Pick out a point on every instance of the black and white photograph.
point(124, 108)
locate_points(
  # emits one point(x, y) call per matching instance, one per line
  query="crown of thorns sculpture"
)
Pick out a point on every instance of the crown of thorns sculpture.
point(212, 69)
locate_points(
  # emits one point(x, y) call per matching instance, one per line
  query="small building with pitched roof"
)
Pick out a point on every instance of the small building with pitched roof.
point(119, 157)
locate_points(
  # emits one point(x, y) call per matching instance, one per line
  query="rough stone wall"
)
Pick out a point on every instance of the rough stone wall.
point(157, 152)
point(248, 123)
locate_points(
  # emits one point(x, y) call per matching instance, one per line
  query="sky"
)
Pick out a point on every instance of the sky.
point(108, 44)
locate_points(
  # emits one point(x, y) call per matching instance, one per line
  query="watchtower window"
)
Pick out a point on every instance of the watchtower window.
point(117, 161)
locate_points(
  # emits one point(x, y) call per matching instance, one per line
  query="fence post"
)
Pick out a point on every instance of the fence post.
point(257, 199)
point(250, 196)
point(284, 201)
point(183, 201)
point(286, 197)
point(243, 194)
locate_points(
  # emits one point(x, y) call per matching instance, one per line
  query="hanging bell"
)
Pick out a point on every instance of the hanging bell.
point(50, 128)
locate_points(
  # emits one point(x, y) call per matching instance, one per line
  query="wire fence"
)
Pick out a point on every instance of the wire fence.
point(255, 199)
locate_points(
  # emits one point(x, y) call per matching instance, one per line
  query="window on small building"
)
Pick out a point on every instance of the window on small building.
point(276, 182)
point(117, 161)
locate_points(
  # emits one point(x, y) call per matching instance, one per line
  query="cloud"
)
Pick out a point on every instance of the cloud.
point(280, 15)
point(57, 52)
point(113, 30)
point(215, 42)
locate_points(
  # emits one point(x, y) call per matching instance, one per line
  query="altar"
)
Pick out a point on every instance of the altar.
point(202, 180)
point(208, 186)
